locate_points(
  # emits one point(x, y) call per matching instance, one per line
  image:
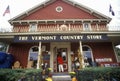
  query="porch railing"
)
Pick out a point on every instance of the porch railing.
point(72, 28)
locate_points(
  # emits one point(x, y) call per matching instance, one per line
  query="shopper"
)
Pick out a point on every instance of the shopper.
point(60, 63)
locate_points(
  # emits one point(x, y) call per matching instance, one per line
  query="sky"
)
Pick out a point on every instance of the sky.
point(19, 6)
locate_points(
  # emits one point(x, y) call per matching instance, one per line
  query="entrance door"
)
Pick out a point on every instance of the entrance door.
point(64, 55)
point(62, 49)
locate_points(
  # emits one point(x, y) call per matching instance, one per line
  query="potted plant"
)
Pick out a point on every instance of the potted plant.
point(73, 76)
point(48, 70)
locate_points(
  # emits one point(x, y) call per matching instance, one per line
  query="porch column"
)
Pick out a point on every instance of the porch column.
point(7, 48)
point(81, 57)
point(39, 56)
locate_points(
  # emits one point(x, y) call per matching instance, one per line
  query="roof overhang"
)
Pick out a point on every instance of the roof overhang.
point(54, 21)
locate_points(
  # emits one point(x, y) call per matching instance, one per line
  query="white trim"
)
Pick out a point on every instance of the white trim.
point(59, 9)
point(115, 52)
point(57, 20)
point(90, 51)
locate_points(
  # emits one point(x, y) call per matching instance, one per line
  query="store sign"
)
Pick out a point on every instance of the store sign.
point(48, 38)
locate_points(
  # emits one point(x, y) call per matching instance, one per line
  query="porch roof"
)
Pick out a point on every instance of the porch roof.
point(114, 36)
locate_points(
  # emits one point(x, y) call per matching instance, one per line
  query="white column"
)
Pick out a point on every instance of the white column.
point(81, 57)
point(69, 27)
point(39, 56)
point(117, 58)
point(7, 48)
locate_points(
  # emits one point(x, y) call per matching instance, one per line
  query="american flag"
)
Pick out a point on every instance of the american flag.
point(7, 10)
point(111, 10)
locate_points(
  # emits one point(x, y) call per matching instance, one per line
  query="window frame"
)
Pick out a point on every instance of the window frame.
point(88, 28)
point(33, 27)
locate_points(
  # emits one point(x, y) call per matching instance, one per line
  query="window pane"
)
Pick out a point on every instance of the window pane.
point(35, 49)
point(34, 56)
point(33, 27)
point(86, 49)
point(86, 26)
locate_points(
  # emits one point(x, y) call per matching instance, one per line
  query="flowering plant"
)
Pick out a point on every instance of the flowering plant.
point(72, 74)
point(49, 69)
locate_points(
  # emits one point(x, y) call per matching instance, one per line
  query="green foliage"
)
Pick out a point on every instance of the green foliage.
point(99, 74)
point(16, 74)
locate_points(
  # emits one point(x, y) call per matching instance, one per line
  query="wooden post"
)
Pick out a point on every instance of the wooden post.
point(80, 55)
point(39, 56)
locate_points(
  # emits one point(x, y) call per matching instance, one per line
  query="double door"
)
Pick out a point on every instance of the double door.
point(64, 55)
point(63, 49)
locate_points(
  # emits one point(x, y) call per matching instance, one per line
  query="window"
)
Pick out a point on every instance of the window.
point(59, 9)
point(86, 27)
point(33, 56)
point(33, 27)
point(88, 57)
point(33, 53)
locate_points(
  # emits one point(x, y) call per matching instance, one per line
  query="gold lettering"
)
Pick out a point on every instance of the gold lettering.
point(74, 37)
point(23, 38)
point(94, 37)
point(43, 37)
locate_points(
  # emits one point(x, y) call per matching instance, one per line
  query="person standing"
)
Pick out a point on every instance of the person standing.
point(60, 63)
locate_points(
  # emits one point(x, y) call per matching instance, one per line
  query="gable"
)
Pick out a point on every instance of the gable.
point(68, 12)
point(71, 10)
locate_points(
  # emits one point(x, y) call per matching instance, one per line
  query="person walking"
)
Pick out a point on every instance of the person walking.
point(60, 63)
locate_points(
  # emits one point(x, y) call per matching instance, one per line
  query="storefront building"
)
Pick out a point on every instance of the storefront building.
point(79, 33)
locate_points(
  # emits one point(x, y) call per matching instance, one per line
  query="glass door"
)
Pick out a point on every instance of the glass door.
point(63, 52)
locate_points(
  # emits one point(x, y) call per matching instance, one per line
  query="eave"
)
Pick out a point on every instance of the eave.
point(64, 21)
point(48, 2)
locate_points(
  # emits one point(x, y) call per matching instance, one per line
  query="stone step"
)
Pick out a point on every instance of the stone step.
point(61, 77)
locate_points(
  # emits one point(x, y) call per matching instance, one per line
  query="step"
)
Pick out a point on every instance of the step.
point(61, 77)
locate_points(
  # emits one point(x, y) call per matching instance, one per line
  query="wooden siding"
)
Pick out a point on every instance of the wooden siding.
point(69, 12)
point(102, 50)
point(99, 50)
point(21, 51)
